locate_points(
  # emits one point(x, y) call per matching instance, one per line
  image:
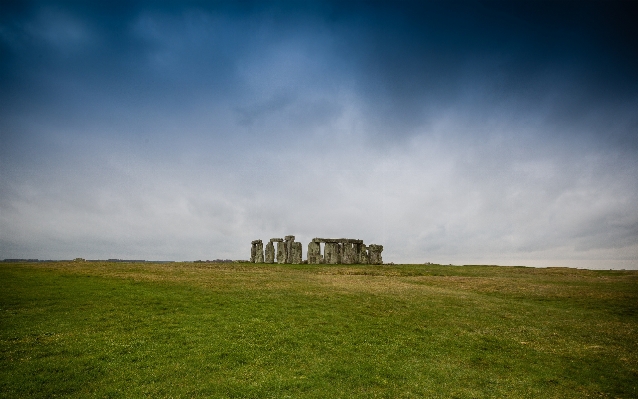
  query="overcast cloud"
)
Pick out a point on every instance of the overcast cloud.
point(465, 132)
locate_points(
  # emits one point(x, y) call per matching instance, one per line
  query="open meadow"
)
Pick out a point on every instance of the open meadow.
point(185, 330)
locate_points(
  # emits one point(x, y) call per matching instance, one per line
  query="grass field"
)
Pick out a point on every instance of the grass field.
point(188, 330)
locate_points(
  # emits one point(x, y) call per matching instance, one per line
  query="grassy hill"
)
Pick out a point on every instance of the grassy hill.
point(301, 331)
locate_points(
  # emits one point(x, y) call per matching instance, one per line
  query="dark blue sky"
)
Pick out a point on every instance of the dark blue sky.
point(453, 132)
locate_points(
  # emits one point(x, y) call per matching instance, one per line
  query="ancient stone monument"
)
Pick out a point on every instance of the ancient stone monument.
point(336, 251)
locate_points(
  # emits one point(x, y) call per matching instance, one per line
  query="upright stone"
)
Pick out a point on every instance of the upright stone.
point(270, 252)
point(253, 250)
point(331, 253)
point(349, 254)
point(289, 240)
point(375, 254)
point(314, 253)
point(327, 253)
point(356, 247)
point(259, 256)
point(281, 252)
point(363, 254)
point(296, 253)
point(342, 247)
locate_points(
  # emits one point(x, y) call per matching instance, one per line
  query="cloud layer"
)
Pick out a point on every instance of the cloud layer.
point(451, 133)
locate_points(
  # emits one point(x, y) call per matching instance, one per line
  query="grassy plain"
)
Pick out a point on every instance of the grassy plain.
point(188, 330)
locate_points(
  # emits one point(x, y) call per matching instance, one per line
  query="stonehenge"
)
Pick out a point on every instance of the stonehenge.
point(335, 251)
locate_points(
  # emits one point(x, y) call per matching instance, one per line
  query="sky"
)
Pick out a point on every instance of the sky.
point(464, 132)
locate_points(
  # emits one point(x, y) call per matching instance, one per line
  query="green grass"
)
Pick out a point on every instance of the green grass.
point(272, 331)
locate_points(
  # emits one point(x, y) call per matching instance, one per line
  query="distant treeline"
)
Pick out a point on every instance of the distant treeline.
point(116, 260)
point(216, 261)
point(87, 260)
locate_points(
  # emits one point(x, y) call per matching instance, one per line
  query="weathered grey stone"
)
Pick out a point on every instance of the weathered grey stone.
point(363, 255)
point(270, 252)
point(331, 253)
point(259, 256)
point(342, 240)
point(343, 249)
point(349, 254)
point(296, 253)
point(289, 240)
point(276, 240)
point(375, 254)
point(253, 250)
point(281, 252)
point(326, 240)
point(337, 253)
point(314, 253)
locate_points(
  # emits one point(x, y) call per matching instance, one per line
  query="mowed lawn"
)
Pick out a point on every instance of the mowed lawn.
point(188, 330)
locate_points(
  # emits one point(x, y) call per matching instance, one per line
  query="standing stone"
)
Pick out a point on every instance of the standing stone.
point(342, 248)
point(327, 253)
point(331, 253)
point(270, 252)
point(314, 253)
point(280, 247)
point(253, 250)
point(375, 254)
point(289, 241)
point(363, 254)
point(259, 256)
point(296, 253)
point(281, 252)
point(349, 254)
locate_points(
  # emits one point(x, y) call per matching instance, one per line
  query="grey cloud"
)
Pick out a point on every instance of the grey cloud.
point(249, 113)
point(186, 132)
point(424, 203)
